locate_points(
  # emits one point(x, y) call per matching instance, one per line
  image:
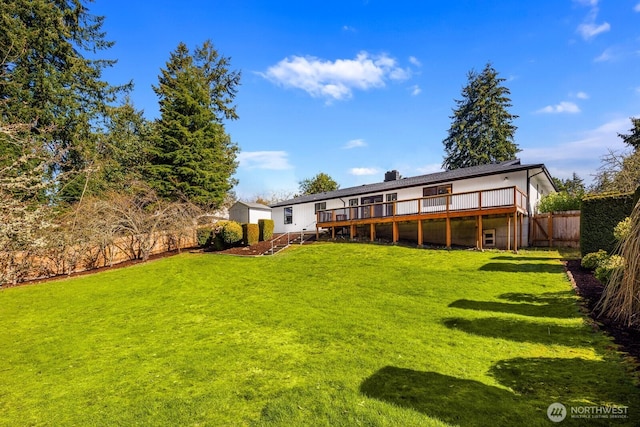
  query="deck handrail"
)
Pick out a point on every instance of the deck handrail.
point(443, 203)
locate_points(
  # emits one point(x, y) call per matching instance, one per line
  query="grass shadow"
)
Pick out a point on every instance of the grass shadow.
point(525, 258)
point(568, 297)
point(534, 384)
point(453, 400)
point(521, 331)
point(560, 309)
point(598, 382)
point(517, 267)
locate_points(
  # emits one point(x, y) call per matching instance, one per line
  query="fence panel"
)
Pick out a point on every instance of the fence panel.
point(560, 229)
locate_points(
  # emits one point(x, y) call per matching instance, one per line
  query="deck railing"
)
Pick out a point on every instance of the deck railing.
point(457, 202)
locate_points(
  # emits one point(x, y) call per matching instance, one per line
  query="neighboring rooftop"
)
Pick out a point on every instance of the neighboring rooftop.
point(429, 179)
point(254, 205)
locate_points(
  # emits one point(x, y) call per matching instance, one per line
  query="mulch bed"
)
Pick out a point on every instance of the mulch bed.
point(590, 289)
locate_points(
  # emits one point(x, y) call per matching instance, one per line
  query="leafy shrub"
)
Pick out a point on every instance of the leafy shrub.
point(594, 259)
point(205, 236)
point(623, 229)
point(604, 270)
point(250, 234)
point(559, 202)
point(230, 232)
point(266, 229)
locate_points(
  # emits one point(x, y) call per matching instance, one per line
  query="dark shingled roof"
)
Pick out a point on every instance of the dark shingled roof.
point(430, 179)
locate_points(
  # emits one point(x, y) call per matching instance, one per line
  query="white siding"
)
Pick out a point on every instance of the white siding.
point(258, 214)
point(304, 216)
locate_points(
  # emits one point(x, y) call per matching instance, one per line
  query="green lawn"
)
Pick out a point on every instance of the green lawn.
point(326, 334)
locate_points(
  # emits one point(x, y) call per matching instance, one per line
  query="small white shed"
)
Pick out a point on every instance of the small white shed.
point(249, 213)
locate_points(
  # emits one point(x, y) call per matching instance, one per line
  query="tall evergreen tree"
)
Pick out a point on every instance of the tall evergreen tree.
point(481, 130)
point(123, 148)
point(192, 156)
point(633, 137)
point(48, 81)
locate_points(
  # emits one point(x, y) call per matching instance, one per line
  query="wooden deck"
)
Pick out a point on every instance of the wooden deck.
point(508, 201)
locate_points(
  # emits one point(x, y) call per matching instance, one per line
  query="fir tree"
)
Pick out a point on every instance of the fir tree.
point(481, 130)
point(192, 156)
point(48, 81)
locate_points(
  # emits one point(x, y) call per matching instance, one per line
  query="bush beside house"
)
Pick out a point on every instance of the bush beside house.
point(250, 234)
point(266, 229)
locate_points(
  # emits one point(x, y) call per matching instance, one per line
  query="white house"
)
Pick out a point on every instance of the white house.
point(482, 206)
point(249, 213)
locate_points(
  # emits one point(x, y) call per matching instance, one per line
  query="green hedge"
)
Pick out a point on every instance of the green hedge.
point(266, 229)
point(599, 217)
point(204, 236)
point(230, 232)
point(559, 202)
point(250, 234)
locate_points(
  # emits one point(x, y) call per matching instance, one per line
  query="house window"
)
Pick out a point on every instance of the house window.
point(288, 215)
point(354, 212)
point(321, 206)
point(435, 191)
point(372, 211)
point(391, 197)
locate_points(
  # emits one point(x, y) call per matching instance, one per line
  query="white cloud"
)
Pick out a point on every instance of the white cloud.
point(582, 154)
point(582, 95)
point(348, 28)
point(588, 29)
point(592, 144)
point(272, 160)
point(363, 171)
point(415, 90)
point(335, 80)
point(354, 143)
point(587, 2)
point(607, 55)
point(563, 107)
point(415, 61)
point(636, 8)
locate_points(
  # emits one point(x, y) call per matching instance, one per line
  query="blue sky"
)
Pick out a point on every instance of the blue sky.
point(354, 88)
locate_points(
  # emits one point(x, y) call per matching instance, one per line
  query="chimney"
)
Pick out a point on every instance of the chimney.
point(393, 175)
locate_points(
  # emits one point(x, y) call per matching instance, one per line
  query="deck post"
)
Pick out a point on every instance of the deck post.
point(395, 231)
point(420, 237)
point(479, 235)
point(508, 232)
point(333, 233)
point(515, 232)
point(521, 228)
point(317, 233)
point(372, 231)
point(448, 232)
point(352, 231)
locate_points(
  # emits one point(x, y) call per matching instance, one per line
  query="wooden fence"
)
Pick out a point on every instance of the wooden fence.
point(40, 264)
point(559, 229)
